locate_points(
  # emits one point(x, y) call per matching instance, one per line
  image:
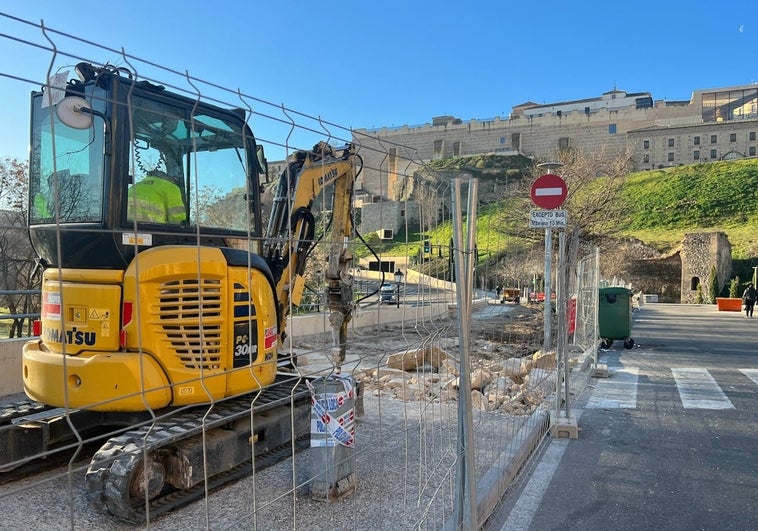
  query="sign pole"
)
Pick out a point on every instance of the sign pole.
point(549, 192)
point(548, 303)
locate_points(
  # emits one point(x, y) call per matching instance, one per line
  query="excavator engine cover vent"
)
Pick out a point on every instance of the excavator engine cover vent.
point(191, 320)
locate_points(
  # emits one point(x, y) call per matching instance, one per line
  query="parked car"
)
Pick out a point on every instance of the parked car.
point(387, 294)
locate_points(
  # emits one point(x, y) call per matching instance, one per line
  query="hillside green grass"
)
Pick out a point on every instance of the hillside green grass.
point(666, 204)
point(661, 207)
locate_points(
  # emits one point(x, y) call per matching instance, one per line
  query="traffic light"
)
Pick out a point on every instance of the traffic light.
point(427, 246)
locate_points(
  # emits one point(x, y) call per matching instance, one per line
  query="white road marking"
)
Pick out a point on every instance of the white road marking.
point(698, 390)
point(520, 517)
point(751, 373)
point(619, 391)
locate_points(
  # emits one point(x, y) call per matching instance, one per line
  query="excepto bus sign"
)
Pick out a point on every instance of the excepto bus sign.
point(547, 219)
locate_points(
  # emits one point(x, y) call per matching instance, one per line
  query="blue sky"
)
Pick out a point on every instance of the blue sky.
point(364, 64)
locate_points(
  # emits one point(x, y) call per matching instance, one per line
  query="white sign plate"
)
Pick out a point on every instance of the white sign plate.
point(141, 238)
point(547, 219)
point(55, 90)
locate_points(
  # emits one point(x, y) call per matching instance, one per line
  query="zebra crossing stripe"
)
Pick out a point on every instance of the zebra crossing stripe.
point(617, 392)
point(698, 390)
point(751, 373)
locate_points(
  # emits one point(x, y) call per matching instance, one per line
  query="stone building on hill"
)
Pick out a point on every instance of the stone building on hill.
point(715, 124)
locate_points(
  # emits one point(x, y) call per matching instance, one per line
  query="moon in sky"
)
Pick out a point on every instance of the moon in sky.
point(742, 28)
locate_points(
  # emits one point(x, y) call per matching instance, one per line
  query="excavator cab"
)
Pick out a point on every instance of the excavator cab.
point(145, 215)
point(110, 136)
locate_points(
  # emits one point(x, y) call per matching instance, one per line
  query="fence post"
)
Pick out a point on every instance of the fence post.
point(465, 490)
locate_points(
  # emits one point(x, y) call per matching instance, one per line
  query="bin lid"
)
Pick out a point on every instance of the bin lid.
point(615, 290)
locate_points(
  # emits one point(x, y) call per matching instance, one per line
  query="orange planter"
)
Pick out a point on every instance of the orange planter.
point(728, 304)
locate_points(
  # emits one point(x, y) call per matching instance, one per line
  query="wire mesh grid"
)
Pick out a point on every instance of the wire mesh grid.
point(401, 346)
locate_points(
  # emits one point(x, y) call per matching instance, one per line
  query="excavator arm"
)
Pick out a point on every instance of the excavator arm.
point(291, 231)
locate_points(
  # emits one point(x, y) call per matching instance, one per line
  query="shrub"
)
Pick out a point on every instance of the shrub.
point(734, 287)
point(713, 286)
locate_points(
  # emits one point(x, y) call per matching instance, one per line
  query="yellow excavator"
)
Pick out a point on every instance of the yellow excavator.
point(164, 302)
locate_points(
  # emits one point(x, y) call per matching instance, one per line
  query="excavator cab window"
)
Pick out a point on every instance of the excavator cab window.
point(66, 178)
point(196, 159)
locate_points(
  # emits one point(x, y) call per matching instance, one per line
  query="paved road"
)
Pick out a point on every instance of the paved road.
point(668, 441)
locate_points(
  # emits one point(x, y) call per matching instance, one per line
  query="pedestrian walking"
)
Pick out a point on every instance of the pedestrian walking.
point(748, 300)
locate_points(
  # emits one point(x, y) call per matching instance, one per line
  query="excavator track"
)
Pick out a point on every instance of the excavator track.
point(156, 468)
point(10, 411)
point(35, 437)
point(19, 408)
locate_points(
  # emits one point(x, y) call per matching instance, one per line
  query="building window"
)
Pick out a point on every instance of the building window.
point(516, 141)
point(696, 155)
point(733, 137)
point(751, 151)
point(671, 157)
point(646, 144)
point(611, 129)
point(646, 158)
point(502, 140)
point(671, 142)
point(714, 139)
point(752, 135)
point(456, 149)
point(437, 153)
point(714, 154)
point(723, 105)
point(696, 140)
point(563, 142)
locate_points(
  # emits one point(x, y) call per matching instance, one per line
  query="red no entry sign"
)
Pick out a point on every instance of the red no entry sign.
point(549, 191)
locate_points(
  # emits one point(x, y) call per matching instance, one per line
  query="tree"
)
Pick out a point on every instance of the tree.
point(594, 203)
point(713, 286)
point(734, 286)
point(594, 181)
point(14, 183)
point(17, 258)
point(699, 294)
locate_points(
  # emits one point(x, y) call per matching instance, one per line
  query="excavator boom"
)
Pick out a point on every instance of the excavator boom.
point(291, 230)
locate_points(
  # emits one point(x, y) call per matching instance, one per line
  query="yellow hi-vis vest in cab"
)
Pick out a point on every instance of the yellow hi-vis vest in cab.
point(155, 200)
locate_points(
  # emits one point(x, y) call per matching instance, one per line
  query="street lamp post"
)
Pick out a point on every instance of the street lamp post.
point(398, 281)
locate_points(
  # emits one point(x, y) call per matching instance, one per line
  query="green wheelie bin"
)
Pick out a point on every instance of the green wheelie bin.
point(615, 316)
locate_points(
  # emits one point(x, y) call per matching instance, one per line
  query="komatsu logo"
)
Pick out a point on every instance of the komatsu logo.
point(70, 337)
point(328, 177)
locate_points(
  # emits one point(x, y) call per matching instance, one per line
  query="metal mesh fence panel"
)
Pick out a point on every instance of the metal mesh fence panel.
point(588, 274)
point(145, 448)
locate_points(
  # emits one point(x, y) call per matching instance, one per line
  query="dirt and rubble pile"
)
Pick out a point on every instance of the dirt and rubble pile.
point(512, 385)
point(508, 371)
